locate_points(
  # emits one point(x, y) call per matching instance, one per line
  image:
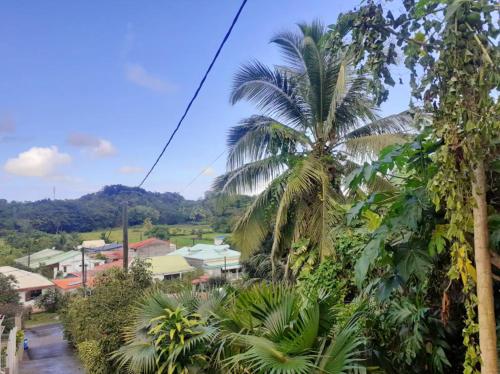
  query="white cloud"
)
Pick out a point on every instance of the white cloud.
point(97, 147)
point(104, 149)
point(130, 170)
point(137, 74)
point(209, 171)
point(42, 162)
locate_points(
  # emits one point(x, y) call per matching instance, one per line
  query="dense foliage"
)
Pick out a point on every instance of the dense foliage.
point(103, 210)
point(51, 301)
point(9, 300)
point(360, 242)
point(257, 329)
point(94, 322)
point(318, 118)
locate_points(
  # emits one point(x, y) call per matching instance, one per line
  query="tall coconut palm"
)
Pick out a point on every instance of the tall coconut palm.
point(317, 119)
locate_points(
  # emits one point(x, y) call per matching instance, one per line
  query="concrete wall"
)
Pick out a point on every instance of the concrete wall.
point(75, 264)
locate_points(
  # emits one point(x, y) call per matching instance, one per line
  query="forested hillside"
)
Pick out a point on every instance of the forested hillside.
point(103, 210)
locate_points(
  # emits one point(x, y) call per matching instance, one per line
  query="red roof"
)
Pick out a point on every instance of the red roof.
point(76, 281)
point(201, 279)
point(99, 268)
point(109, 265)
point(72, 283)
point(113, 255)
point(145, 243)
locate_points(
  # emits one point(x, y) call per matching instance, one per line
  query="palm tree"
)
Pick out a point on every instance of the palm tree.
point(169, 333)
point(259, 329)
point(317, 120)
point(272, 328)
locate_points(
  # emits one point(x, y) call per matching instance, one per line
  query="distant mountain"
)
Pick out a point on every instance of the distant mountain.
point(103, 210)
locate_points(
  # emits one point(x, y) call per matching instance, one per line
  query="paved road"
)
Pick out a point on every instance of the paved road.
point(48, 352)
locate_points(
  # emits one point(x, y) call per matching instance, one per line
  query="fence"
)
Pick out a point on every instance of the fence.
point(12, 359)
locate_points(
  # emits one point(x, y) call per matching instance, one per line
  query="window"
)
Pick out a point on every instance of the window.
point(171, 276)
point(33, 294)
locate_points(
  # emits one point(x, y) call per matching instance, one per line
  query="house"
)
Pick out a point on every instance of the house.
point(151, 247)
point(73, 262)
point(215, 260)
point(162, 267)
point(69, 284)
point(89, 244)
point(169, 267)
point(219, 240)
point(111, 256)
point(58, 261)
point(103, 248)
point(73, 280)
point(28, 285)
point(35, 260)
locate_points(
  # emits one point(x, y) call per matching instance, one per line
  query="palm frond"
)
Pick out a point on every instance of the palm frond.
point(353, 107)
point(138, 353)
point(263, 356)
point(326, 214)
point(303, 179)
point(251, 177)
point(369, 146)
point(260, 136)
point(342, 355)
point(302, 337)
point(137, 357)
point(254, 225)
point(291, 45)
point(401, 123)
point(273, 91)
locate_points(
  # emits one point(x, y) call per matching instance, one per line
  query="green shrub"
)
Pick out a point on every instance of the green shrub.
point(51, 301)
point(92, 357)
point(101, 316)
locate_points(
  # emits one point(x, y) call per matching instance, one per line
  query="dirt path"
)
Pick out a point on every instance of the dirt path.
point(48, 352)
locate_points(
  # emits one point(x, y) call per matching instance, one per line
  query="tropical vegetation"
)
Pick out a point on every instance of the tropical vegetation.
point(319, 118)
point(372, 244)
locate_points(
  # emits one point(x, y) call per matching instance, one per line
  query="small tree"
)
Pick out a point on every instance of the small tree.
point(8, 294)
point(9, 300)
point(51, 301)
point(159, 232)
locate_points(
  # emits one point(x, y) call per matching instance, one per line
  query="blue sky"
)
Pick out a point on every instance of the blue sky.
point(90, 90)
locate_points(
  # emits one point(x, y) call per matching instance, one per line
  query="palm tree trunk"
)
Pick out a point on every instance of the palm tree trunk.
point(486, 312)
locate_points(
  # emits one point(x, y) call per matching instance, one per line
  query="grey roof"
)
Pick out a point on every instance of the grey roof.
point(107, 247)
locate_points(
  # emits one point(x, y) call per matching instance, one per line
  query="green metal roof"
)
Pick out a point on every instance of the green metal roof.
point(207, 252)
point(46, 257)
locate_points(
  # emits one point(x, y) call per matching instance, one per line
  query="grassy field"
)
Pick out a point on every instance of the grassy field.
point(40, 319)
point(181, 235)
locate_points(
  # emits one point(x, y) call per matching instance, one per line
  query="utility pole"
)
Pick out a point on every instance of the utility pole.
point(84, 274)
point(125, 236)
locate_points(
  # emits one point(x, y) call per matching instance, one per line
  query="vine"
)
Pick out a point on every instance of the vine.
point(449, 48)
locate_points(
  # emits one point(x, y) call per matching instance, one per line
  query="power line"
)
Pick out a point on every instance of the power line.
point(201, 172)
point(202, 82)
